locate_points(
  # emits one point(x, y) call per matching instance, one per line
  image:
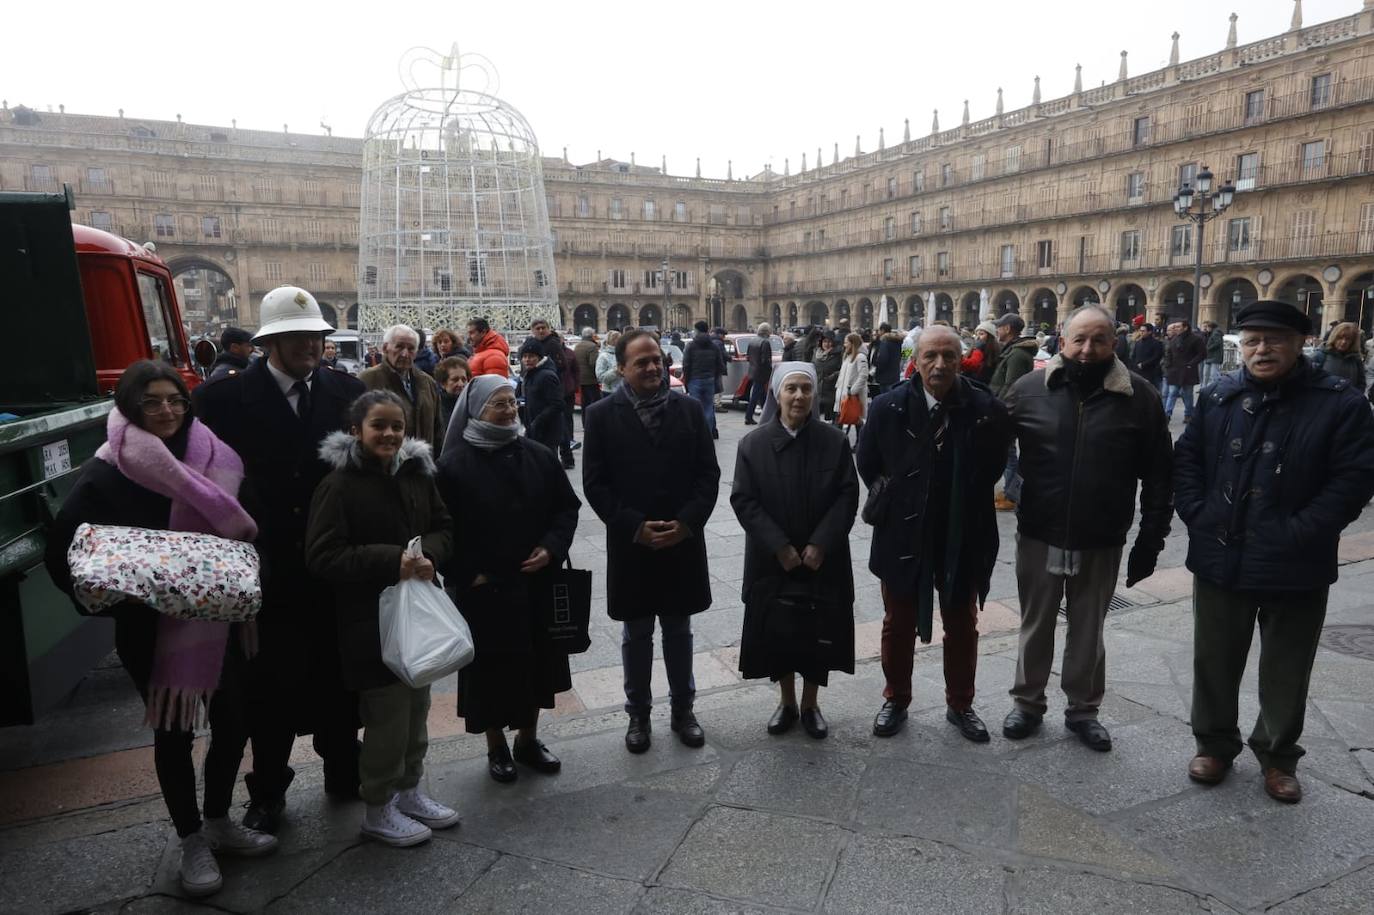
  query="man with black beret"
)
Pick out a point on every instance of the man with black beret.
point(1278, 460)
point(235, 351)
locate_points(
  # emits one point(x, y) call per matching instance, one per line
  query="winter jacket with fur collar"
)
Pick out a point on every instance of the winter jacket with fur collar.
point(361, 519)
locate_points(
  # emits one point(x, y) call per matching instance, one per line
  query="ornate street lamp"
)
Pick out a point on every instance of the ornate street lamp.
point(1201, 207)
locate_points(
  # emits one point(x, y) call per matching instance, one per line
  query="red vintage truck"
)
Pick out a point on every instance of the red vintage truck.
point(78, 305)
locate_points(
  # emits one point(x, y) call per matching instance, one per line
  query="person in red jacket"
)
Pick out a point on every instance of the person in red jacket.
point(490, 351)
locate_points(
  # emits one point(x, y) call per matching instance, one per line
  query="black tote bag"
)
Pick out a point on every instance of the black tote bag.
point(563, 607)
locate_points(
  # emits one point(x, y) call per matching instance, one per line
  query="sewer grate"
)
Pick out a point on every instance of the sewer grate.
point(1356, 641)
point(1118, 602)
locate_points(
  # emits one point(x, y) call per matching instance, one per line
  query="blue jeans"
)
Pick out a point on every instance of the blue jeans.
point(758, 393)
point(1172, 392)
point(703, 391)
point(637, 655)
point(1211, 371)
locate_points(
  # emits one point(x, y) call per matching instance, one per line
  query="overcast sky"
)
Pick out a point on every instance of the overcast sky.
point(743, 81)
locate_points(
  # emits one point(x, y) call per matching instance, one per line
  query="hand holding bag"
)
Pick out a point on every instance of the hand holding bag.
point(182, 574)
point(424, 637)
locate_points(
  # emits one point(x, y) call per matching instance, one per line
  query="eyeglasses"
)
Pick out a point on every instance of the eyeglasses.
point(505, 403)
point(1275, 341)
point(152, 406)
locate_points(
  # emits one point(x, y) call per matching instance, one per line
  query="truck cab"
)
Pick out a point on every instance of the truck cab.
point(77, 307)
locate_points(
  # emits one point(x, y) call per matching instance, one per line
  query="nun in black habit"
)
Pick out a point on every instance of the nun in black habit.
point(796, 494)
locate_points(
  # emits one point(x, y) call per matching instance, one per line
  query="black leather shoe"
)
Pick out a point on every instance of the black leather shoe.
point(1092, 733)
point(637, 736)
point(688, 731)
point(889, 719)
point(569, 464)
point(813, 722)
point(1018, 725)
point(751, 422)
point(968, 723)
point(534, 754)
point(264, 816)
point(783, 719)
point(501, 766)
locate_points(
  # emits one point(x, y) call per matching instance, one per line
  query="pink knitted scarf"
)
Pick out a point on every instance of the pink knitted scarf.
point(203, 487)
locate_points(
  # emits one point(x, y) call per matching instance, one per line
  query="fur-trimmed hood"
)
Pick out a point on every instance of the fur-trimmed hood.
point(341, 450)
point(1118, 380)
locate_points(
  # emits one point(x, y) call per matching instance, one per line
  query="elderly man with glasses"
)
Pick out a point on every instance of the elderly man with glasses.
point(1279, 459)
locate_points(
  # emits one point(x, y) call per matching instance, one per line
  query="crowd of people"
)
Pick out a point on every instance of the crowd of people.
point(332, 476)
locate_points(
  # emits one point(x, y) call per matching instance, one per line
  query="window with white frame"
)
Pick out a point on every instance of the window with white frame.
point(316, 272)
point(1135, 187)
point(1366, 226)
point(1181, 241)
point(946, 219)
point(1044, 254)
point(584, 206)
point(1320, 93)
point(1247, 171)
point(1187, 174)
point(1254, 106)
point(164, 225)
point(1130, 245)
point(1008, 260)
point(890, 228)
point(1238, 234)
point(651, 279)
point(918, 181)
point(617, 208)
point(650, 210)
point(101, 219)
point(680, 211)
point(916, 222)
point(977, 167)
point(887, 268)
point(1140, 131)
point(210, 227)
point(1313, 158)
point(272, 271)
point(946, 174)
point(617, 279)
point(913, 266)
point(942, 263)
point(1012, 160)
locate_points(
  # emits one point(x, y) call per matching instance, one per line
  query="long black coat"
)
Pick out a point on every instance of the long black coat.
point(896, 443)
point(828, 373)
point(630, 478)
point(282, 466)
point(796, 491)
point(361, 519)
point(542, 388)
point(1284, 535)
point(508, 501)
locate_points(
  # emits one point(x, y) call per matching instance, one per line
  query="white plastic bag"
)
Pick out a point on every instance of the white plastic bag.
point(424, 637)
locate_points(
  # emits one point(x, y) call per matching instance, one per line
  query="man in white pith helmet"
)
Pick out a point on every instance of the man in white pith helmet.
point(274, 414)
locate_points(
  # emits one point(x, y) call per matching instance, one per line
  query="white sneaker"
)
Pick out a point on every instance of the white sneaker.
point(199, 872)
point(229, 838)
point(427, 810)
point(386, 824)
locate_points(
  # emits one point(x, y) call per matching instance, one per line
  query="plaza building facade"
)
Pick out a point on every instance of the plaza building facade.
point(1034, 210)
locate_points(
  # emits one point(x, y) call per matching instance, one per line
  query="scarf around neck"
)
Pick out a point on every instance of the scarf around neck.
point(203, 486)
point(649, 409)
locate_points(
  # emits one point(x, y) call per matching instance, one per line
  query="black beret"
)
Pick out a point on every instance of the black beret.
point(532, 346)
point(231, 335)
point(1268, 313)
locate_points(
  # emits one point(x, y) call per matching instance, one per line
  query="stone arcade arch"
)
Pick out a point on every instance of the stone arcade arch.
point(968, 309)
point(1305, 292)
point(208, 299)
point(739, 319)
point(1129, 301)
point(1234, 295)
point(865, 314)
point(1006, 302)
point(617, 317)
point(1176, 299)
point(650, 315)
point(1046, 309)
point(915, 310)
point(776, 315)
point(944, 307)
point(841, 312)
point(817, 313)
point(792, 314)
point(1359, 301)
point(586, 315)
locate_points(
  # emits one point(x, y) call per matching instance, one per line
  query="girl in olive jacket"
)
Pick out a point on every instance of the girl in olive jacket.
point(379, 496)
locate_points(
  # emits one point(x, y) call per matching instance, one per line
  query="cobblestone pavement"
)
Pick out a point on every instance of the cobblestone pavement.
point(923, 821)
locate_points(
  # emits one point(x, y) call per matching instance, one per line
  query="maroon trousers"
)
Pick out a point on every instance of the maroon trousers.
point(960, 621)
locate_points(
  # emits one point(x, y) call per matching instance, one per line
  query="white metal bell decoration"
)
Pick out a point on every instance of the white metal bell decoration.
point(454, 221)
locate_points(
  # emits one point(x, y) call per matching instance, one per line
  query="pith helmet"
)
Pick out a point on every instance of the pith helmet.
point(290, 309)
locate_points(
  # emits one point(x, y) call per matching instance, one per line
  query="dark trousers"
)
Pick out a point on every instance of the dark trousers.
point(135, 638)
point(960, 621)
point(565, 450)
point(591, 393)
point(293, 688)
point(758, 393)
point(637, 655)
point(1290, 627)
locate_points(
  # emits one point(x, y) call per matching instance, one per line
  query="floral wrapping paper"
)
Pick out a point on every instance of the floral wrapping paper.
point(182, 574)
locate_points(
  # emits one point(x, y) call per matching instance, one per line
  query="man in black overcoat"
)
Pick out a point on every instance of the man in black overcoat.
point(938, 443)
point(649, 471)
point(274, 415)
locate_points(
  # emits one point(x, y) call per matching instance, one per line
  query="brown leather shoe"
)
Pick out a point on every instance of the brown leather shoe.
point(1282, 786)
point(1209, 770)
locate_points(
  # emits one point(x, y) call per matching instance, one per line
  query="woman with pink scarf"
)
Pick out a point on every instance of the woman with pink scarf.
point(161, 469)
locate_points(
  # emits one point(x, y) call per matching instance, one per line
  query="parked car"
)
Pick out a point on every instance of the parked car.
point(737, 367)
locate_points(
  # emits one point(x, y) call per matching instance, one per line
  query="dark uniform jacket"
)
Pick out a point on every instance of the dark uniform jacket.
point(1148, 356)
point(1081, 458)
point(896, 443)
point(887, 359)
point(249, 412)
point(361, 520)
point(630, 477)
point(542, 414)
point(1266, 479)
point(226, 364)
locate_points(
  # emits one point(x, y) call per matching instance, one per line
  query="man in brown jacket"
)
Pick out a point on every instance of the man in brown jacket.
point(397, 373)
point(584, 357)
